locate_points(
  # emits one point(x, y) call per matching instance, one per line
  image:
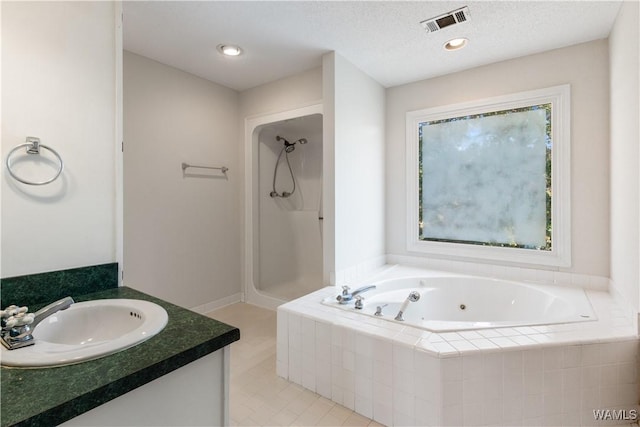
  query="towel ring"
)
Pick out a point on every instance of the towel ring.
point(33, 146)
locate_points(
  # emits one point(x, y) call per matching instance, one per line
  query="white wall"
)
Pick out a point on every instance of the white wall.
point(181, 232)
point(585, 67)
point(625, 154)
point(355, 103)
point(292, 92)
point(58, 84)
point(329, 164)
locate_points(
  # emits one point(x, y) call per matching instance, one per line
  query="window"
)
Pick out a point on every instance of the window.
point(490, 179)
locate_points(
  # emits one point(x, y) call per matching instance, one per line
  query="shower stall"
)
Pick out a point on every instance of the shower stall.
point(285, 231)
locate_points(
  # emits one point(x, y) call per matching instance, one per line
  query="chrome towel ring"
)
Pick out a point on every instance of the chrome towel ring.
point(33, 146)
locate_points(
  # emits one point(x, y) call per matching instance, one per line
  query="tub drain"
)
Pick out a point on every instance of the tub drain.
point(463, 307)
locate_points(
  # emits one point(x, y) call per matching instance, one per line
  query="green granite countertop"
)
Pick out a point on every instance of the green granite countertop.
point(50, 396)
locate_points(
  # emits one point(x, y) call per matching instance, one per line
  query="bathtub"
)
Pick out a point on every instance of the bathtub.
point(534, 360)
point(458, 303)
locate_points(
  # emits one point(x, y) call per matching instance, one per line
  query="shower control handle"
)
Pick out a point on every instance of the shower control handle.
point(379, 310)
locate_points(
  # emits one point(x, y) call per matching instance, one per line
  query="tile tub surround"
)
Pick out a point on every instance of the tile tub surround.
point(50, 396)
point(43, 288)
point(399, 375)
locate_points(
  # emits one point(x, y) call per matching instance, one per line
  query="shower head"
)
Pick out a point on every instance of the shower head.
point(287, 144)
point(290, 146)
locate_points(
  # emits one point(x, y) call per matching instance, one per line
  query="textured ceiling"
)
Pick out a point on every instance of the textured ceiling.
point(382, 38)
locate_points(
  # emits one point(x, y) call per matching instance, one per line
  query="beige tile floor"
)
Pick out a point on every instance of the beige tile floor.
point(260, 398)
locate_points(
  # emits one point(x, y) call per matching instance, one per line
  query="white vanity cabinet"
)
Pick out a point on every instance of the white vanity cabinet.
point(196, 394)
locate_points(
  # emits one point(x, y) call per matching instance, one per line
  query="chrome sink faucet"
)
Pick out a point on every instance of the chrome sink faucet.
point(347, 296)
point(17, 324)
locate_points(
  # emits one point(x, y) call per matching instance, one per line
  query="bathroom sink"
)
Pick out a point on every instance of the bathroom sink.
point(88, 330)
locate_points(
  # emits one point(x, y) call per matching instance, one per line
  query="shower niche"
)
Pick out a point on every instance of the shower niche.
point(287, 208)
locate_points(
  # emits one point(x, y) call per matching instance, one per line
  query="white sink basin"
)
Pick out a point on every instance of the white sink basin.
point(88, 330)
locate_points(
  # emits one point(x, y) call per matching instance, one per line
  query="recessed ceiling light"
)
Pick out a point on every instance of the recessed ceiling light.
point(229, 49)
point(456, 44)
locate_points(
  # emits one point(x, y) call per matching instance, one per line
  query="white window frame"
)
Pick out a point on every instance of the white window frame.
point(560, 253)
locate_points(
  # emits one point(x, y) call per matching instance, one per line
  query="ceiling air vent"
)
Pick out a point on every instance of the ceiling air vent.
point(439, 22)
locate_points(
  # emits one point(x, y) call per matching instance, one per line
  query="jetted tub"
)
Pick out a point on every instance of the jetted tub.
point(456, 303)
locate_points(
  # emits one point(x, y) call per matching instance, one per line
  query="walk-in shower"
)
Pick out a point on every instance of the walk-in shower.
point(286, 200)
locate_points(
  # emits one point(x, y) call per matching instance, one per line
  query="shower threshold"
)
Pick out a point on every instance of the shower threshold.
point(291, 290)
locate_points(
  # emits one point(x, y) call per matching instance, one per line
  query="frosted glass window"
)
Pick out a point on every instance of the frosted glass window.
point(490, 179)
point(485, 179)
